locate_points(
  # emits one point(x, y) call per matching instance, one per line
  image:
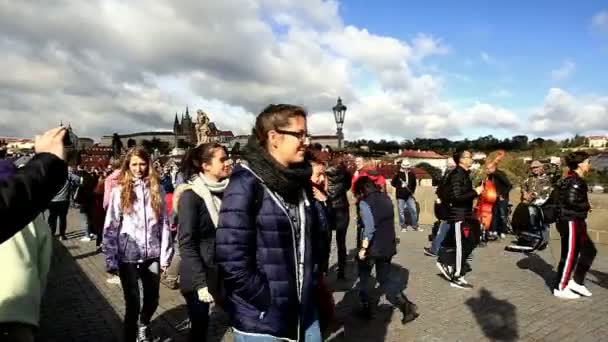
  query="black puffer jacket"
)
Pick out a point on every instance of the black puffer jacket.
point(573, 202)
point(339, 184)
point(460, 194)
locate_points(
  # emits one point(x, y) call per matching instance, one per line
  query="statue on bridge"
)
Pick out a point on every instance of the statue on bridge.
point(202, 127)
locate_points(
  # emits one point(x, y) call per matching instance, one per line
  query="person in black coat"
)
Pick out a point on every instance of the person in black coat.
point(207, 170)
point(503, 187)
point(578, 250)
point(463, 232)
point(405, 184)
point(377, 248)
point(26, 194)
point(339, 183)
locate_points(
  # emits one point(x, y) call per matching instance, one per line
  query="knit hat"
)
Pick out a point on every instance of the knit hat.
point(7, 169)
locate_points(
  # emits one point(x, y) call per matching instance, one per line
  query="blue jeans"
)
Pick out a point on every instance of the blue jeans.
point(499, 218)
point(410, 203)
point(441, 232)
point(312, 334)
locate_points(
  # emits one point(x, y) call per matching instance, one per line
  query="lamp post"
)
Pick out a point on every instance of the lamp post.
point(339, 114)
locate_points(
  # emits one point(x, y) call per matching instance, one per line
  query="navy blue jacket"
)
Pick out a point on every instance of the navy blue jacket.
point(256, 255)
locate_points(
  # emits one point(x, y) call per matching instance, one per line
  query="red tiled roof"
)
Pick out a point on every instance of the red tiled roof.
point(13, 140)
point(421, 154)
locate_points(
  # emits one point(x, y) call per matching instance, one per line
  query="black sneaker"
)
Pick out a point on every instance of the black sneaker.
point(428, 252)
point(63, 238)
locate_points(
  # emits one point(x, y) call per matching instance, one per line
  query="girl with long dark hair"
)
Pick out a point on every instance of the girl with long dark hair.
point(206, 169)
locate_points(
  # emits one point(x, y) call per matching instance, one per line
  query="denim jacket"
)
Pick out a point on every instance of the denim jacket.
point(139, 235)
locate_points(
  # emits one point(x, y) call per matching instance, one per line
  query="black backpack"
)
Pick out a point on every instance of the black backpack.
point(442, 206)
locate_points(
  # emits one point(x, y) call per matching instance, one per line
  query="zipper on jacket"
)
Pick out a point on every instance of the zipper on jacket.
point(295, 255)
point(143, 191)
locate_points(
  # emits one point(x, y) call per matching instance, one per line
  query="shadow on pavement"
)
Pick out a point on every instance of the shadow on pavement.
point(176, 320)
point(72, 307)
point(348, 323)
point(497, 318)
point(599, 278)
point(539, 266)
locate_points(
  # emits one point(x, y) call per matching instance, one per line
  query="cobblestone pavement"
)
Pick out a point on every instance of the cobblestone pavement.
point(510, 300)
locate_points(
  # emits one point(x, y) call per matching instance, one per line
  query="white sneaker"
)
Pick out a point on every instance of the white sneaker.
point(503, 236)
point(86, 239)
point(579, 289)
point(404, 230)
point(115, 280)
point(445, 270)
point(565, 294)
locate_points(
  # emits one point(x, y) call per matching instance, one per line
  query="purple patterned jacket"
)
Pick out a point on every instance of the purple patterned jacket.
point(138, 236)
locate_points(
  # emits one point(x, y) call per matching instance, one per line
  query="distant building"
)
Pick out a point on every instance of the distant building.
point(325, 140)
point(184, 133)
point(415, 157)
point(598, 141)
point(85, 143)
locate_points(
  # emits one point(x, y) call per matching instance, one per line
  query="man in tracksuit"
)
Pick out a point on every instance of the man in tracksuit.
point(463, 233)
point(578, 251)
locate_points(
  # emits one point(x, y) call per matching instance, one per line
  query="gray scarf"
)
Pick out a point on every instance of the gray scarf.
point(203, 187)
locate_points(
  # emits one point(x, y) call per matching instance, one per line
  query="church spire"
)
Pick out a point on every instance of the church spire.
point(187, 114)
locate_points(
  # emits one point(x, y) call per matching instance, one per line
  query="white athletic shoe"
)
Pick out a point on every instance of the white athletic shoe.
point(445, 270)
point(461, 284)
point(86, 239)
point(579, 289)
point(565, 294)
point(115, 280)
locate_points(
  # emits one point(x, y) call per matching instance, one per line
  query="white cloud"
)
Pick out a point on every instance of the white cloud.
point(120, 66)
point(565, 71)
point(599, 22)
point(488, 116)
point(563, 113)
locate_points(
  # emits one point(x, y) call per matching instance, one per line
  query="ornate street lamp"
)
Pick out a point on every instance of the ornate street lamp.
point(339, 114)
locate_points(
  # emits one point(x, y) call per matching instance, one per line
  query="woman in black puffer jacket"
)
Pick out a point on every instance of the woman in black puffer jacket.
point(339, 184)
point(578, 251)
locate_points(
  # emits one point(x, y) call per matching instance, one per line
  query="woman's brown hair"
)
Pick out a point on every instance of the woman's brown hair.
point(127, 194)
point(274, 117)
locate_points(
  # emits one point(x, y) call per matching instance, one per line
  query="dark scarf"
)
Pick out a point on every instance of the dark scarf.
point(288, 182)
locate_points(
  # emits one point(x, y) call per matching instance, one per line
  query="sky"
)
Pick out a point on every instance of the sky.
point(404, 69)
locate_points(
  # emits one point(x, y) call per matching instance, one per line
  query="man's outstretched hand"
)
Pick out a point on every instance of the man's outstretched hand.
point(51, 142)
